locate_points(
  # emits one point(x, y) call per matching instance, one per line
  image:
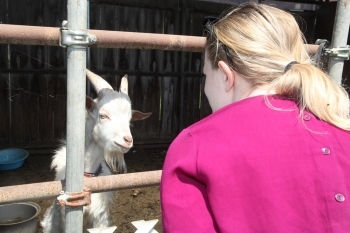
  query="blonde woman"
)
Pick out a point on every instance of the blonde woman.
point(275, 154)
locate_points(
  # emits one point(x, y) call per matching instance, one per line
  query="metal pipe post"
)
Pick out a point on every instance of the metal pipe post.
point(76, 86)
point(34, 35)
point(88, 50)
point(339, 38)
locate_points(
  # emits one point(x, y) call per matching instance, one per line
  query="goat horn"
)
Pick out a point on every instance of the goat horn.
point(98, 82)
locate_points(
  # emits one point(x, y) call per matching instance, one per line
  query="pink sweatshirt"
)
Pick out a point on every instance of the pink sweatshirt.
point(249, 168)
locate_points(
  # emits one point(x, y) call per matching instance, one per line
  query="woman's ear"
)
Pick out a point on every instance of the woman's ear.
point(229, 75)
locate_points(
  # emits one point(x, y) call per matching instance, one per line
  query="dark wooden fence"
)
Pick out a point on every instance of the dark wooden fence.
point(33, 78)
point(168, 84)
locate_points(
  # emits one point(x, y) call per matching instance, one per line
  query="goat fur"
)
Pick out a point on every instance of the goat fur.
point(107, 138)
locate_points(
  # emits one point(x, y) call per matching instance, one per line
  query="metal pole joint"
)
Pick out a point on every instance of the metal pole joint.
point(75, 199)
point(338, 53)
point(75, 38)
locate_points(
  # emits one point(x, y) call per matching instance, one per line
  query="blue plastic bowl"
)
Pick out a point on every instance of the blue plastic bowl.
point(12, 158)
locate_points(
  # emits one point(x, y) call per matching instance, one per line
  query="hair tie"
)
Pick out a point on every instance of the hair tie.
point(289, 65)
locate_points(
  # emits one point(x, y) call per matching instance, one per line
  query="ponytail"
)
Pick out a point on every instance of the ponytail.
point(266, 47)
point(316, 92)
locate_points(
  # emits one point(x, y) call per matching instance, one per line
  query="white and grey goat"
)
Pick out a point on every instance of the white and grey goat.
point(108, 137)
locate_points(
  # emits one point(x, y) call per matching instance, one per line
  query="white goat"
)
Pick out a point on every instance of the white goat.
point(108, 137)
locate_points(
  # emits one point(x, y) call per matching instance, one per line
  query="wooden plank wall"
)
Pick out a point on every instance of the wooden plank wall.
point(33, 78)
point(33, 95)
point(154, 76)
point(4, 118)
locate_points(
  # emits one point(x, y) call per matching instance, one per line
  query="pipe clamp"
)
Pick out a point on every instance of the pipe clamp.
point(338, 53)
point(75, 38)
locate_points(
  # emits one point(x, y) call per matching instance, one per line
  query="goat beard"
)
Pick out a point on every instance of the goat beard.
point(115, 161)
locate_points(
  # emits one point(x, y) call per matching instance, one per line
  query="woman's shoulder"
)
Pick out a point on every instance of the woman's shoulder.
point(244, 111)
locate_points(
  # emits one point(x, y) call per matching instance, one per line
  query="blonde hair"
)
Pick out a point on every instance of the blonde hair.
point(260, 41)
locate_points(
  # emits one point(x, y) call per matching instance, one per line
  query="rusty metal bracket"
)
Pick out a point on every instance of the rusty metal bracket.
point(75, 38)
point(75, 199)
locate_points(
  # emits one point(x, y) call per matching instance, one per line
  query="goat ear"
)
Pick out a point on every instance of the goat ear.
point(90, 104)
point(137, 115)
point(124, 85)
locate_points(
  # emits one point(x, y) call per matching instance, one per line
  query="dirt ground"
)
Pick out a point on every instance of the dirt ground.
point(130, 205)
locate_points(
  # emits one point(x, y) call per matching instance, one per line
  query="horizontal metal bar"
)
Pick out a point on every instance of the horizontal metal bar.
point(29, 35)
point(46, 190)
point(136, 40)
point(35, 35)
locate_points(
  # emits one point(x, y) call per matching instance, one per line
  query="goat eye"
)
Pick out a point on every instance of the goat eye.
point(103, 116)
